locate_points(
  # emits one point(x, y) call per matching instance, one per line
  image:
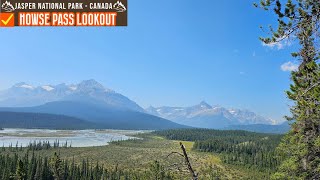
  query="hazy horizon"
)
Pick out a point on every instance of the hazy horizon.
point(162, 59)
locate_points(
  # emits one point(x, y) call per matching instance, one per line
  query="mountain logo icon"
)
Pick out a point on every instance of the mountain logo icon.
point(7, 6)
point(119, 7)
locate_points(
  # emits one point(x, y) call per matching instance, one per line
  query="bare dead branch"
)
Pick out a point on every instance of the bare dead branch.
point(192, 172)
point(179, 166)
point(175, 153)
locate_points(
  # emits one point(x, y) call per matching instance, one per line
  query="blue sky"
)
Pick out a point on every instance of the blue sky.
point(174, 53)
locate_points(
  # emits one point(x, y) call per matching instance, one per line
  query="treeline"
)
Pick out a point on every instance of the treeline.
point(203, 134)
point(36, 146)
point(41, 145)
point(249, 149)
point(54, 168)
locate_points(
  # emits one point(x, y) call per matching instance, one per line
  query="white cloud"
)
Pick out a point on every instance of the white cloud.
point(289, 66)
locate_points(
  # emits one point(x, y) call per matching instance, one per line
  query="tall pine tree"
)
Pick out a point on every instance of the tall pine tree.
point(56, 165)
point(20, 171)
point(300, 20)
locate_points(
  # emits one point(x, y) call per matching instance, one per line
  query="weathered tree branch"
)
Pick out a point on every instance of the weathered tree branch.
point(192, 172)
point(175, 153)
point(189, 168)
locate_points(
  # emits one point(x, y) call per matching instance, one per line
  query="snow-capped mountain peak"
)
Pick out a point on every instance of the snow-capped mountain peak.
point(249, 117)
point(204, 115)
point(73, 87)
point(47, 88)
point(23, 85)
point(204, 105)
point(90, 91)
point(90, 84)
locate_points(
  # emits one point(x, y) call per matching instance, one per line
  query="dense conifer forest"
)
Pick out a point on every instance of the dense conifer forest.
point(248, 149)
point(32, 167)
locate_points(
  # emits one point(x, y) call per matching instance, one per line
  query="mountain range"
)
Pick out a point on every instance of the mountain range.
point(90, 102)
point(25, 95)
point(204, 115)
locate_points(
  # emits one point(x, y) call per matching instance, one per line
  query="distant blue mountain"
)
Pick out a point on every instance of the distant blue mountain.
point(106, 116)
point(42, 121)
point(88, 100)
point(91, 91)
point(204, 115)
point(262, 128)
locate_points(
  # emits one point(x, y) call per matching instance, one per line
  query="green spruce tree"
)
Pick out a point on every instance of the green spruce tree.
point(56, 166)
point(299, 21)
point(21, 173)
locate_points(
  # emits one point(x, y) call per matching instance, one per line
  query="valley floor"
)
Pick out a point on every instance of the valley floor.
point(140, 154)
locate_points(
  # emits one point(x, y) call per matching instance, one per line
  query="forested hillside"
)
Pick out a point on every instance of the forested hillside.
point(106, 117)
point(42, 121)
point(248, 149)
